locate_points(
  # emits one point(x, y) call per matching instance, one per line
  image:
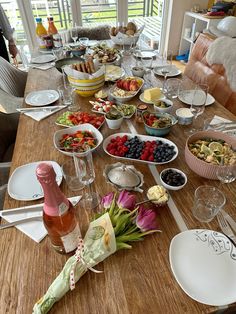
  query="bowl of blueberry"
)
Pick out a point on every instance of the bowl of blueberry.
point(173, 179)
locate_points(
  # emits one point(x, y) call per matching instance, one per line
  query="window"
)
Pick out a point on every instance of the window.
point(12, 11)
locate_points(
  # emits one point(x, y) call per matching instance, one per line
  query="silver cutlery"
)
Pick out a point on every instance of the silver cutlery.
point(19, 210)
point(225, 227)
point(40, 109)
point(229, 219)
point(21, 221)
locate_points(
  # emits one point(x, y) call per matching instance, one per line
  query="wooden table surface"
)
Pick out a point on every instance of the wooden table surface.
point(133, 281)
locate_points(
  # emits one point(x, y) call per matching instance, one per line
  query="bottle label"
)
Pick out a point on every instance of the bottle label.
point(57, 40)
point(41, 42)
point(62, 209)
point(71, 240)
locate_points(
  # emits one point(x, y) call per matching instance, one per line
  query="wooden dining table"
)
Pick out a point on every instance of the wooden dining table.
point(133, 281)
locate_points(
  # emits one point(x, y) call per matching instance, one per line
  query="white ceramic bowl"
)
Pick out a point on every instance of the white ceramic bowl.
point(114, 124)
point(163, 110)
point(82, 127)
point(126, 98)
point(172, 187)
point(184, 116)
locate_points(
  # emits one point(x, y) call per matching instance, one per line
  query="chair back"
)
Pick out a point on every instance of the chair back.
point(12, 80)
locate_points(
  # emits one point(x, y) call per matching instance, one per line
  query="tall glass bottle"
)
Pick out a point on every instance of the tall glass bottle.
point(40, 33)
point(52, 30)
point(58, 213)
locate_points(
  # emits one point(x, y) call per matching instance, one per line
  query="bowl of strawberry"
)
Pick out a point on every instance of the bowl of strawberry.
point(158, 124)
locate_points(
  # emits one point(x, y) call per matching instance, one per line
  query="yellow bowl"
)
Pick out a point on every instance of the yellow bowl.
point(86, 88)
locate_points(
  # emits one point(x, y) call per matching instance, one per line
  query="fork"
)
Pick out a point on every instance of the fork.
point(225, 227)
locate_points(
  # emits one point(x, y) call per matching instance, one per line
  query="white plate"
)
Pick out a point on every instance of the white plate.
point(145, 54)
point(23, 184)
point(113, 73)
point(173, 71)
point(92, 43)
point(186, 98)
point(43, 59)
point(142, 138)
point(141, 97)
point(204, 265)
point(42, 97)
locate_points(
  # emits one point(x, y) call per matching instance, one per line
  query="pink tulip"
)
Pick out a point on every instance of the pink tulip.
point(107, 200)
point(126, 200)
point(146, 219)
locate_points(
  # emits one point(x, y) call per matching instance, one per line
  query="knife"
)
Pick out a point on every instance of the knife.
point(21, 221)
point(229, 219)
point(74, 200)
point(38, 109)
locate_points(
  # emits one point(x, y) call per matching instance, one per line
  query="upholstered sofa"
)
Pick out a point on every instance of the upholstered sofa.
point(198, 70)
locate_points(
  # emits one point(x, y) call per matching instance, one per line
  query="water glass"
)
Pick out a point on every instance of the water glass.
point(65, 93)
point(226, 173)
point(208, 201)
point(84, 41)
point(74, 34)
point(71, 176)
point(58, 53)
point(172, 88)
point(147, 62)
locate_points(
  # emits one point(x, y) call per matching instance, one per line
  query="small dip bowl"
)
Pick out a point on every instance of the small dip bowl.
point(163, 105)
point(138, 71)
point(184, 116)
point(173, 179)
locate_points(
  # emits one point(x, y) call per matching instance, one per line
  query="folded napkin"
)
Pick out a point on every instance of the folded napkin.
point(33, 229)
point(44, 66)
point(40, 115)
point(218, 119)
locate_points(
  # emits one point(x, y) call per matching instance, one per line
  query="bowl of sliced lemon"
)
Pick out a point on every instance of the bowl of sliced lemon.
point(206, 151)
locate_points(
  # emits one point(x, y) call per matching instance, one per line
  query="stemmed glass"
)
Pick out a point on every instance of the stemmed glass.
point(147, 64)
point(166, 66)
point(198, 101)
point(74, 34)
point(85, 170)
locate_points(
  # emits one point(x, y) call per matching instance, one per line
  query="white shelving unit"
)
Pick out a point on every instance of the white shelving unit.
point(196, 23)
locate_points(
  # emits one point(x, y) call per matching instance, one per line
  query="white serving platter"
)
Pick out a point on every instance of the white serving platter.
point(142, 138)
point(204, 265)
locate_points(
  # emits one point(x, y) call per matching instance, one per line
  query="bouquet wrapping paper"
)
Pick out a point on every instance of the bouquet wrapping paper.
point(98, 244)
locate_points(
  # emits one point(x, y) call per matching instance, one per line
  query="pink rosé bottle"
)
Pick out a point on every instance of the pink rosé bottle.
point(58, 213)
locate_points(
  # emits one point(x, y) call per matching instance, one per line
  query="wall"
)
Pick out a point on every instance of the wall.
point(177, 14)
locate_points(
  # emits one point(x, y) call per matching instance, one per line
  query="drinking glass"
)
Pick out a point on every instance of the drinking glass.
point(84, 41)
point(172, 88)
point(208, 201)
point(85, 169)
point(65, 93)
point(198, 98)
point(74, 34)
point(71, 176)
point(166, 66)
point(58, 53)
point(226, 173)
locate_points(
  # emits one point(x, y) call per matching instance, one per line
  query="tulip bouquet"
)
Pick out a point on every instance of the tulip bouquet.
point(119, 223)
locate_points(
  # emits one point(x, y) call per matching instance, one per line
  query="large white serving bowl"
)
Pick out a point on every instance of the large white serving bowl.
point(126, 98)
point(82, 127)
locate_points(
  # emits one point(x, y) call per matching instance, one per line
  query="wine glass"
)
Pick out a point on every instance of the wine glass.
point(86, 173)
point(198, 100)
point(166, 66)
point(74, 34)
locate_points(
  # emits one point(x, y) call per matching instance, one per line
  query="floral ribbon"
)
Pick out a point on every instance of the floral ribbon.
point(79, 258)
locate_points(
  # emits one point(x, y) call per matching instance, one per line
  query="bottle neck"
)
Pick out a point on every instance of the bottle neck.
point(55, 202)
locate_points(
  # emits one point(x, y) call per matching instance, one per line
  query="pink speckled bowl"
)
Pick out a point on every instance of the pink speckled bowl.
point(200, 167)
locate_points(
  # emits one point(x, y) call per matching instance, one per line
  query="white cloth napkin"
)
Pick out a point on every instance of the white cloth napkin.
point(33, 229)
point(40, 115)
point(44, 66)
point(218, 119)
